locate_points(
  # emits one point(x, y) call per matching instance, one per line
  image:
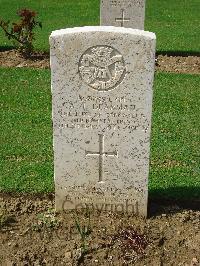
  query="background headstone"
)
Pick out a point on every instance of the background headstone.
point(102, 81)
point(123, 13)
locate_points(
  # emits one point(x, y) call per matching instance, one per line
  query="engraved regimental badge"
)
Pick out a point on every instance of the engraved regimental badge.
point(102, 68)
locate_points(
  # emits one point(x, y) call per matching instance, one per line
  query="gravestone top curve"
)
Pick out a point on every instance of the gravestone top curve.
point(145, 34)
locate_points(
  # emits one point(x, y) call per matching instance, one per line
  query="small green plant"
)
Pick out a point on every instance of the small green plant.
point(84, 231)
point(46, 220)
point(21, 33)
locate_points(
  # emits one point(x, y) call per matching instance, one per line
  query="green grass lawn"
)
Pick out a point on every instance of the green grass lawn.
point(175, 152)
point(26, 161)
point(26, 135)
point(175, 22)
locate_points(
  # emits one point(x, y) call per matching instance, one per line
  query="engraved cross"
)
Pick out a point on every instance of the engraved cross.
point(101, 155)
point(122, 19)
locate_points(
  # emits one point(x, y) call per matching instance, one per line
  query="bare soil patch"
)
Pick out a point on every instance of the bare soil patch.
point(178, 64)
point(166, 63)
point(12, 58)
point(32, 234)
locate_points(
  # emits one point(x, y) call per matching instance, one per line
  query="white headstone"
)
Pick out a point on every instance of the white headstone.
point(102, 81)
point(123, 13)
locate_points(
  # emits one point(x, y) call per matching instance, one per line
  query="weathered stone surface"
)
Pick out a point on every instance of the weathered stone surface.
point(102, 101)
point(123, 13)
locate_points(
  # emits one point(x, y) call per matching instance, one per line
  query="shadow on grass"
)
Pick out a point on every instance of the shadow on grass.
point(173, 199)
point(178, 53)
point(6, 48)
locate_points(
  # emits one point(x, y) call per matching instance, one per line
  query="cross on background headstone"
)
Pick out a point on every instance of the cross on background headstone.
point(101, 155)
point(122, 19)
point(124, 13)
